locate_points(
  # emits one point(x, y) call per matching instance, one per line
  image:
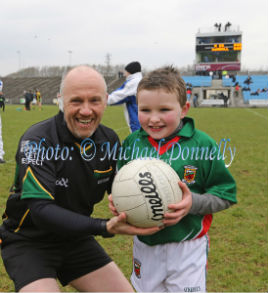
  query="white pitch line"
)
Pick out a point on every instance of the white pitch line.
point(258, 114)
point(118, 129)
point(9, 161)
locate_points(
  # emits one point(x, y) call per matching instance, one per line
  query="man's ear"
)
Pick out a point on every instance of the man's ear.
point(60, 103)
point(106, 99)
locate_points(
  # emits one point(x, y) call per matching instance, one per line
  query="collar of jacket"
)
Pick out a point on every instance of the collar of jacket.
point(134, 75)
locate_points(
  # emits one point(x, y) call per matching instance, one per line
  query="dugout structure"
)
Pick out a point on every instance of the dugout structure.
point(218, 49)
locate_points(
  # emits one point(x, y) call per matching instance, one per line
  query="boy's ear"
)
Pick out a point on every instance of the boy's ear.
point(185, 109)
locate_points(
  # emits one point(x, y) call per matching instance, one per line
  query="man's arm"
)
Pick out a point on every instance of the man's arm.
point(47, 215)
point(50, 217)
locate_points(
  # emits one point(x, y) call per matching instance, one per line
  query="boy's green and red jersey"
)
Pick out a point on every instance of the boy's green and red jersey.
point(198, 161)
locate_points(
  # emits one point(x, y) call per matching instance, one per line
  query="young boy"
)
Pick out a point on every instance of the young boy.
point(175, 258)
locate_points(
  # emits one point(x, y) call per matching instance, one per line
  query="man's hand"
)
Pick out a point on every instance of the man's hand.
point(111, 206)
point(180, 209)
point(118, 225)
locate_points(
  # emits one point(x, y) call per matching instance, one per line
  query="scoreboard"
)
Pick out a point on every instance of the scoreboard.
point(218, 50)
point(216, 47)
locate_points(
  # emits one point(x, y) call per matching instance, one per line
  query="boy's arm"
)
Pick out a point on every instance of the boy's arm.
point(204, 204)
point(219, 189)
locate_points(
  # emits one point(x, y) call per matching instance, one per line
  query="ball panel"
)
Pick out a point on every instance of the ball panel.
point(143, 189)
point(126, 203)
point(143, 220)
point(119, 188)
point(173, 179)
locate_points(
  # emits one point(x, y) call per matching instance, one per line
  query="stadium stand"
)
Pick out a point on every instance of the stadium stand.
point(258, 82)
point(198, 81)
point(227, 81)
point(49, 87)
point(14, 88)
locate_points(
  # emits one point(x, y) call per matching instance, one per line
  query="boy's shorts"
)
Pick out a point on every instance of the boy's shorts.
point(29, 260)
point(171, 267)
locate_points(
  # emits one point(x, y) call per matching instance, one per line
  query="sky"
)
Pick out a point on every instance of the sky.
point(154, 32)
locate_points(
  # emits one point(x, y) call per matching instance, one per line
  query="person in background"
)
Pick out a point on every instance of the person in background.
point(189, 93)
point(2, 101)
point(236, 90)
point(28, 96)
point(248, 80)
point(38, 99)
point(2, 104)
point(126, 94)
point(256, 93)
point(195, 100)
point(2, 161)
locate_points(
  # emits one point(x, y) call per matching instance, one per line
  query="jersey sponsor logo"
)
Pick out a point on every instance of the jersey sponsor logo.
point(192, 289)
point(100, 181)
point(30, 155)
point(24, 146)
point(137, 268)
point(189, 174)
point(62, 182)
point(32, 161)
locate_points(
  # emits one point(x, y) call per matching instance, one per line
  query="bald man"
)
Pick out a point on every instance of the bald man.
point(62, 171)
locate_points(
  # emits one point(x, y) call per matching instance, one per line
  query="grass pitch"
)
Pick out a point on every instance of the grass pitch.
point(238, 236)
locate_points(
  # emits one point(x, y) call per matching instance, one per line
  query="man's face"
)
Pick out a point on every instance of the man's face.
point(84, 100)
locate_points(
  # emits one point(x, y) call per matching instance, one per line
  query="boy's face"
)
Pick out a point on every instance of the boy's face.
point(160, 112)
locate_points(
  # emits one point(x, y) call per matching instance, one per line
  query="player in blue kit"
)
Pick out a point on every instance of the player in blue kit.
point(126, 94)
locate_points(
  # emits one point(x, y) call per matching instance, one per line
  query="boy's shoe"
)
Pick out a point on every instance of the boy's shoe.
point(2, 161)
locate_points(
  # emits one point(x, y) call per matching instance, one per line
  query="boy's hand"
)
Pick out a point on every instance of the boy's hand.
point(180, 209)
point(118, 225)
point(111, 206)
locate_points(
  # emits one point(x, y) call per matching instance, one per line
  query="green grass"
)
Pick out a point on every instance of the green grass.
point(238, 252)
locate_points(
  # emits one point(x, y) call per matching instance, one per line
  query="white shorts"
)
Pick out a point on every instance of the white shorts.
point(171, 267)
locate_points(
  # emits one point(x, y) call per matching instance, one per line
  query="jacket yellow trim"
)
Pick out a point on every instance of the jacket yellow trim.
point(36, 180)
point(22, 220)
point(79, 146)
point(105, 171)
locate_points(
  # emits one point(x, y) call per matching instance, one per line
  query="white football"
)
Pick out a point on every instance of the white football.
point(143, 189)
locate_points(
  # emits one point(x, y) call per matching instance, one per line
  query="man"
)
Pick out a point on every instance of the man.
point(195, 100)
point(2, 104)
point(61, 173)
point(126, 94)
point(2, 161)
point(38, 99)
point(2, 101)
point(28, 99)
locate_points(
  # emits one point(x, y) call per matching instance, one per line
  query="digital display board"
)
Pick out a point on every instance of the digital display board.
point(219, 47)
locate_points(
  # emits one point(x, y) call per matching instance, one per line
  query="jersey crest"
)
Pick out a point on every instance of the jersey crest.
point(137, 268)
point(189, 174)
